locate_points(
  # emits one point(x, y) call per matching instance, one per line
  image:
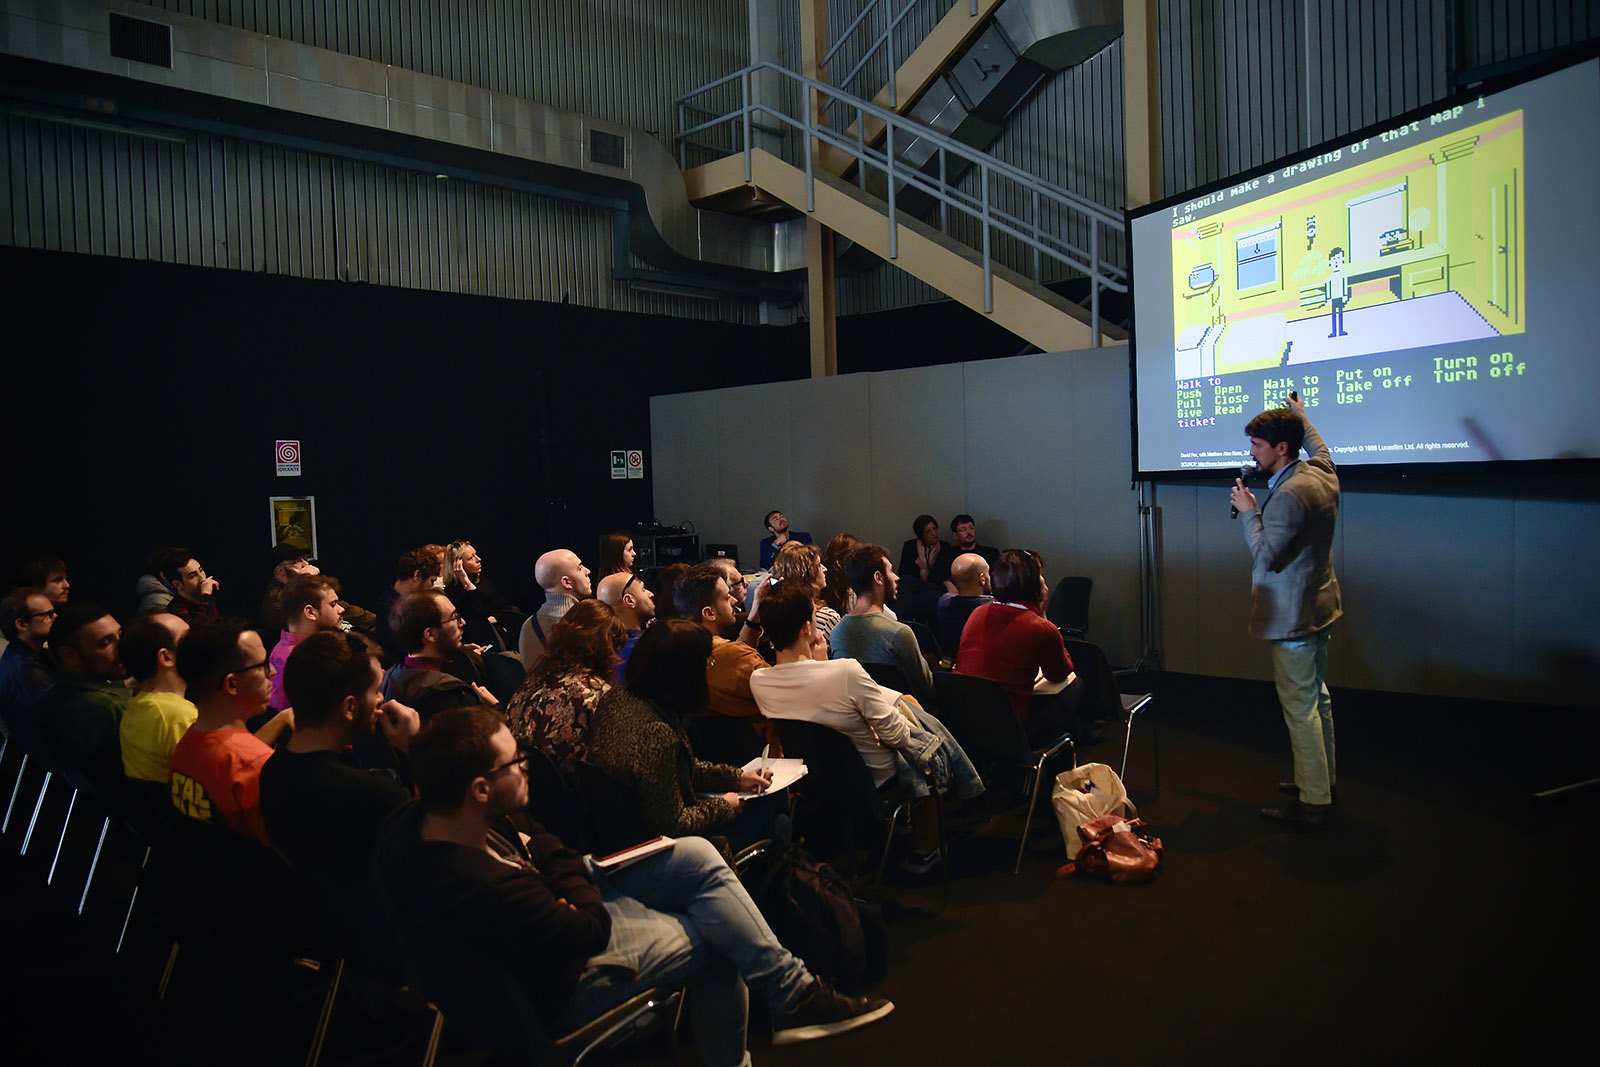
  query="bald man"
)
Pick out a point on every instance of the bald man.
point(634, 604)
point(565, 581)
point(969, 573)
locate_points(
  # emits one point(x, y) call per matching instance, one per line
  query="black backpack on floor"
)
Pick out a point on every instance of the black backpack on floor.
point(812, 910)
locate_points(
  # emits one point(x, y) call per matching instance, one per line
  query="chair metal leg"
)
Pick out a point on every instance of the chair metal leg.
point(1127, 739)
point(432, 1051)
point(317, 1038)
point(1033, 801)
point(22, 771)
point(166, 973)
point(28, 837)
point(93, 863)
point(62, 840)
point(888, 840)
point(128, 917)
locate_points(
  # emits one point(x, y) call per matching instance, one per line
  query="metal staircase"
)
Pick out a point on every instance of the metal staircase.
point(991, 238)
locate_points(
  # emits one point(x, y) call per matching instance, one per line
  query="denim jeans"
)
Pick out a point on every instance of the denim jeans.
point(1300, 666)
point(682, 917)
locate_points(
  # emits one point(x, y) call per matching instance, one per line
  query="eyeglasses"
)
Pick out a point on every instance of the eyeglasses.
point(42, 614)
point(522, 757)
point(266, 663)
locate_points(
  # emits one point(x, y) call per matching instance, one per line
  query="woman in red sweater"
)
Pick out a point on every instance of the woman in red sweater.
point(1011, 642)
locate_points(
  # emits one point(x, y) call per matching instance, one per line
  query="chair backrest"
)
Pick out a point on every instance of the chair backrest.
point(556, 801)
point(503, 674)
point(722, 739)
point(616, 821)
point(1069, 605)
point(927, 640)
point(980, 715)
point(1101, 699)
point(888, 675)
point(836, 779)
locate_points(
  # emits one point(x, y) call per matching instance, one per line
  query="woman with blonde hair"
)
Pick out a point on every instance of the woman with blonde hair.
point(803, 564)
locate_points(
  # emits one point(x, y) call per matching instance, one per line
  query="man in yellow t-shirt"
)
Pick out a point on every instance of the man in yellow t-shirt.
point(158, 714)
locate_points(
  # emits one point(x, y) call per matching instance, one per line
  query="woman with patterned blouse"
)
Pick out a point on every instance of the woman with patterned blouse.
point(551, 709)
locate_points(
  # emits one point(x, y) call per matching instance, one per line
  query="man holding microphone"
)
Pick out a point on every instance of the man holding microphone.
point(1294, 594)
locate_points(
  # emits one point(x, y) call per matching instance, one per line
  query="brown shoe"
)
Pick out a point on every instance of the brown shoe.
point(825, 1011)
point(1289, 789)
point(1298, 816)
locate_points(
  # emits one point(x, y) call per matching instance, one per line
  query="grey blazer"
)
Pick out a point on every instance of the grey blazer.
point(1293, 590)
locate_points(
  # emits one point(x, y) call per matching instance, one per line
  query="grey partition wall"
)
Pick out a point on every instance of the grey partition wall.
point(1027, 445)
point(1461, 594)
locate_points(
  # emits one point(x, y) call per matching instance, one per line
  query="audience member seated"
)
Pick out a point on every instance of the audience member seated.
point(637, 734)
point(803, 563)
point(552, 708)
point(897, 740)
point(26, 670)
point(565, 581)
point(836, 587)
point(215, 771)
point(519, 939)
point(738, 588)
point(152, 592)
point(429, 628)
point(79, 716)
point(1011, 642)
point(414, 572)
point(635, 605)
point(482, 607)
point(193, 590)
point(157, 717)
point(924, 571)
point(965, 530)
point(702, 597)
point(310, 606)
point(320, 806)
point(969, 573)
point(866, 634)
point(778, 535)
point(616, 554)
point(661, 587)
point(289, 562)
point(49, 574)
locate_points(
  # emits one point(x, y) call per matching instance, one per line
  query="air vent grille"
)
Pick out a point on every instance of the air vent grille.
point(607, 149)
point(141, 41)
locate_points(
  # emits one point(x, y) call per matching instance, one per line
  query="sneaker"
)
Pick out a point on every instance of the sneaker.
point(922, 862)
point(824, 1011)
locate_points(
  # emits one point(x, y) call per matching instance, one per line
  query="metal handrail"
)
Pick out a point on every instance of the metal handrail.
point(994, 221)
point(884, 39)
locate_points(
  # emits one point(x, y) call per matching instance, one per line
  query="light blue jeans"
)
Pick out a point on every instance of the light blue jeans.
point(1300, 667)
point(682, 917)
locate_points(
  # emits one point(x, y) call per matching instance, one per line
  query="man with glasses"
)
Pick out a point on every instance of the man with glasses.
point(215, 773)
point(25, 670)
point(429, 628)
point(634, 604)
point(518, 938)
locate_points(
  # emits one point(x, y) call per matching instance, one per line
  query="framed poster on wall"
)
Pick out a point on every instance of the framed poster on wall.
point(294, 522)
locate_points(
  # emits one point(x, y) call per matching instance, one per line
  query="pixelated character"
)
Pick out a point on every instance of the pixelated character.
point(1338, 287)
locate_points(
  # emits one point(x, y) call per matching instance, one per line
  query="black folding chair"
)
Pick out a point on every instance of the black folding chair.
point(839, 786)
point(980, 715)
point(1104, 699)
point(615, 819)
point(1069, 606)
